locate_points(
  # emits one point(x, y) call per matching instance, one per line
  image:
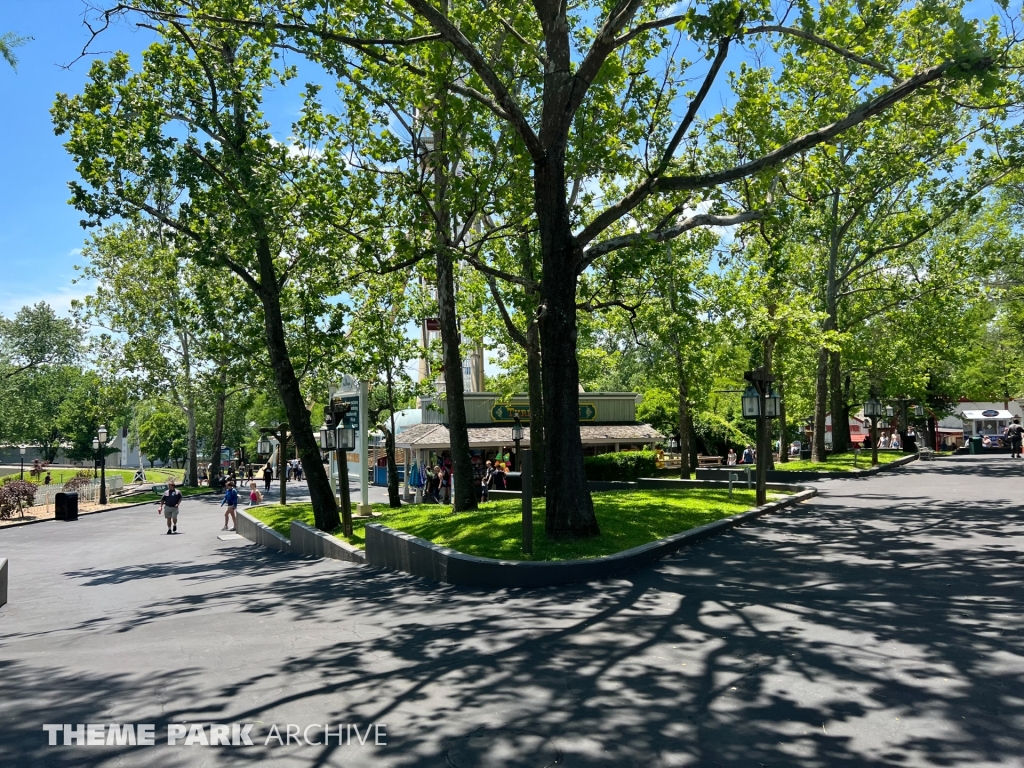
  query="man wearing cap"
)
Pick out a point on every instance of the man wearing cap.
point(169, 504)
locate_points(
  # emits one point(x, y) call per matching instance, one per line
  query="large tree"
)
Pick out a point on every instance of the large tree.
point(189, 121)
point(587, 98)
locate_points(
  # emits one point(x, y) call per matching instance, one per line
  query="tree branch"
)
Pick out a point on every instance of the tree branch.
point(812, 38)
point(866, 111)
point(668, 233)
point(476, 60)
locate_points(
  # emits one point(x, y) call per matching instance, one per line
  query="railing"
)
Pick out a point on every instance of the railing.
point(89, 493)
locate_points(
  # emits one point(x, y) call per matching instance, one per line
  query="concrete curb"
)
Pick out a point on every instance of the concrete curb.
point(400, 551)
point(3, 581)
point(260, 533)
point(307, 540)
point(806, 475)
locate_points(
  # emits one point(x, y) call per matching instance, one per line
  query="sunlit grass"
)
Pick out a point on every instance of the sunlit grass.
point(840, 462)
point(627, 519)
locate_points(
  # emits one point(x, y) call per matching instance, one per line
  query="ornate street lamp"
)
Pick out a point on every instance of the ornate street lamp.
point(263, 446)
point(100, 442)
point(760, 401)
point(517, 436)
point(919, 411)
point(890, 411)
point(751, 401)
point(673, 444)
point(328, 438)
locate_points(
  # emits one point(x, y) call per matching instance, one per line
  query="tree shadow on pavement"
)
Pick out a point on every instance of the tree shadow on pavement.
point(881, 635)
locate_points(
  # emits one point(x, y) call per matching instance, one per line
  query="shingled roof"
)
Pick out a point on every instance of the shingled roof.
point(436, 435)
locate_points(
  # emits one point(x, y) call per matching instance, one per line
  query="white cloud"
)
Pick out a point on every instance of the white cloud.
point(60, 299)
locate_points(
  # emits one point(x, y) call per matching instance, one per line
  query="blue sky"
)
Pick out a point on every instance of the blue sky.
point(40, 234)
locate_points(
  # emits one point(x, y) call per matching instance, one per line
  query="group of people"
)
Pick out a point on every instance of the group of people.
point(294, 470)
point(437, 487)
point(748, 457)
point(171, 500)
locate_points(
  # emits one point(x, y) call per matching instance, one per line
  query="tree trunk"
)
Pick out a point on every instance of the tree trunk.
point(218, 425)
point(394, 499)
point(840, 422)
point(684, 425)
point(820, 407)
point(325, 506)
point(768, 354)
point(783, 437)
point(454, 386)
point(691, 439)
point(192, 479)
point(536, 392)
point(463, 488)
point(569, 509)
point(282, 464)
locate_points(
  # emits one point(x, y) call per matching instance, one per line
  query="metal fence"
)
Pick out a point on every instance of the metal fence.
point(89, 493)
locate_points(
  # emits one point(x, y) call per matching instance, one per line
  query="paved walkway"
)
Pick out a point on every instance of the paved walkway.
point(879, 625)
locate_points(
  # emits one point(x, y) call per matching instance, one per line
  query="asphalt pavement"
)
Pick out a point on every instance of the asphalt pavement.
point(880, 624)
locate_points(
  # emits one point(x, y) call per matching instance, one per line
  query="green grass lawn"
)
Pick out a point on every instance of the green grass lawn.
point(839, 462)
point(61, 474)
point(135, 498)
point(627, 518)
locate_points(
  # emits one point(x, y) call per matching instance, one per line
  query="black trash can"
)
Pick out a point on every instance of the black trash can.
point(805, 454)
point(513, 481)
point(65, 506)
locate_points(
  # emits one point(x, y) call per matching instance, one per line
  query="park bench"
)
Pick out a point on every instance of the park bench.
point(709, 461)
point(926, 454)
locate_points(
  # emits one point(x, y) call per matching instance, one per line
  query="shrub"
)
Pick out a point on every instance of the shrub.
point(79, 481)
point(15, 495)
point(627, 466)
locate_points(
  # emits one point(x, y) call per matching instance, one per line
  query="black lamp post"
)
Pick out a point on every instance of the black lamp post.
point(517, 436)
point(281, 433)
point(873, 410)
point(22, 449)
point(760, 401)
point(343, 440)
point(100, 444)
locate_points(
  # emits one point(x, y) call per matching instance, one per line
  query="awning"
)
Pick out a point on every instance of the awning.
point(434, 436)
point(985, 415)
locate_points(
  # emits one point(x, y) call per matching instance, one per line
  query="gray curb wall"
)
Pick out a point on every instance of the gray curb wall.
point(3, 581)
point(306, 540)
point(248, 526)
point(400, 551)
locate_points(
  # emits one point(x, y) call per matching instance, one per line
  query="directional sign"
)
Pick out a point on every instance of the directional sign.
point(506, 412)
point(350, 419)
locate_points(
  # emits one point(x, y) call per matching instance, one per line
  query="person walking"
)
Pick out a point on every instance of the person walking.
point(730, 458)
point(748, 455)
point(169, 504)
point(231, 500)
point(1016, 437)
point(268, 477)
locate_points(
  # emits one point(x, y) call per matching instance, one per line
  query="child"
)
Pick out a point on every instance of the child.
point(231, 499)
